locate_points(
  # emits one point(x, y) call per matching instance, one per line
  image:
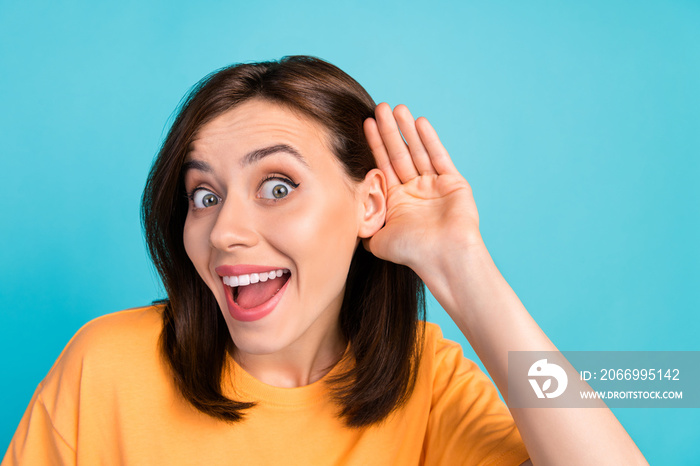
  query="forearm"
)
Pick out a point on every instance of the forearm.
point(488, 312)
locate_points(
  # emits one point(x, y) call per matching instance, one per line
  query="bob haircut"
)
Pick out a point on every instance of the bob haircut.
point(383, 310)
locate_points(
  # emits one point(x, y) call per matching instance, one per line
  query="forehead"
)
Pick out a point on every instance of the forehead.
point(259, 123)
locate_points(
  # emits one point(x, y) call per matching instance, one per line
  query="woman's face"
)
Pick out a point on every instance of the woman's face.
point(268, 198)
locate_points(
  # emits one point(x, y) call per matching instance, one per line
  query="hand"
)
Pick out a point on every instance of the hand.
point(430, 208)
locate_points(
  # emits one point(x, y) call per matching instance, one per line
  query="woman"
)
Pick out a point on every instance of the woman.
point(283, 339)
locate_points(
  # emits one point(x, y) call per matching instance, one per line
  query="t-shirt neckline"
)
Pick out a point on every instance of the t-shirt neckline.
point(244, 387)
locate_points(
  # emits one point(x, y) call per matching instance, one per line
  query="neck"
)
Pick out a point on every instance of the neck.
point(302, 363)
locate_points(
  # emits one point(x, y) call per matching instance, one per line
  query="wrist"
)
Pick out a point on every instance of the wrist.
point(456, 270)
point(461, 259)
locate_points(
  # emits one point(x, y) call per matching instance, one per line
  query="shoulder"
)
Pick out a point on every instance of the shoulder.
point(448, 371)
point(109, 343)
point(433, 333)
point(134, 326)
point(468, 422)
point(439, 351)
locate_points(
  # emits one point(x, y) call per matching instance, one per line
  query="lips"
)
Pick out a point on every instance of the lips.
point(253, 292)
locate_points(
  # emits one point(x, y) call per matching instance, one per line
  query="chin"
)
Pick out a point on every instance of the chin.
point(257, 340)
point(260, 345)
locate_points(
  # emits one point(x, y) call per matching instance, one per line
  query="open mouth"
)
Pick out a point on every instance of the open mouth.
point(254, 289)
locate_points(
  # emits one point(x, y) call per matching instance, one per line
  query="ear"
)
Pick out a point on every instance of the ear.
point(373, 198)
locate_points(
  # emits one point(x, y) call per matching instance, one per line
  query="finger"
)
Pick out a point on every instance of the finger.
point(439, 156)
point(397, 149)
point(380, 154)
point(407, 125)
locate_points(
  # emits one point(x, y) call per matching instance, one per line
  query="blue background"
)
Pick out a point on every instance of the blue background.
point(577, 124)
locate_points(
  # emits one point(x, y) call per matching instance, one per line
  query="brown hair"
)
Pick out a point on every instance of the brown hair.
point(383, 307)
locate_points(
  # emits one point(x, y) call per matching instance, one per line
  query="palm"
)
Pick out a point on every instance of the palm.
point(430, 206)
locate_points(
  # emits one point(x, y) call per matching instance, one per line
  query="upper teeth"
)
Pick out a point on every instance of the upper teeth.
point(249, 278)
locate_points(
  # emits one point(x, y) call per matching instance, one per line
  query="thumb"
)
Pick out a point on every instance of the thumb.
point(366, 243)
point(375, 246)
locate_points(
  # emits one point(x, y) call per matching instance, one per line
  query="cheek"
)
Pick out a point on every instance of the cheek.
point(195, 239)
point(319, 235)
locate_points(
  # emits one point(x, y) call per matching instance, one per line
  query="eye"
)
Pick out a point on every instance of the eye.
point(202, 198)
point(276, 188)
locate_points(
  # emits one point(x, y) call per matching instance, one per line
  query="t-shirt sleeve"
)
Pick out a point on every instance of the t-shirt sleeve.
point(47, 433)
point(468, 424)
point(36, 441)
point(75, 411)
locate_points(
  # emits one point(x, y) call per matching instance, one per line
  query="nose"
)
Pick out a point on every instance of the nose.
point(234, 227)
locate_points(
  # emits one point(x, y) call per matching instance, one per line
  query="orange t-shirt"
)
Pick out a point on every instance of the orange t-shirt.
point(109, 399)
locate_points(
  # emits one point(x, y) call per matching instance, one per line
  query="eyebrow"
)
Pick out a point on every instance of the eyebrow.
point(258, 154)
point(196, 165)
point(251, 157)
